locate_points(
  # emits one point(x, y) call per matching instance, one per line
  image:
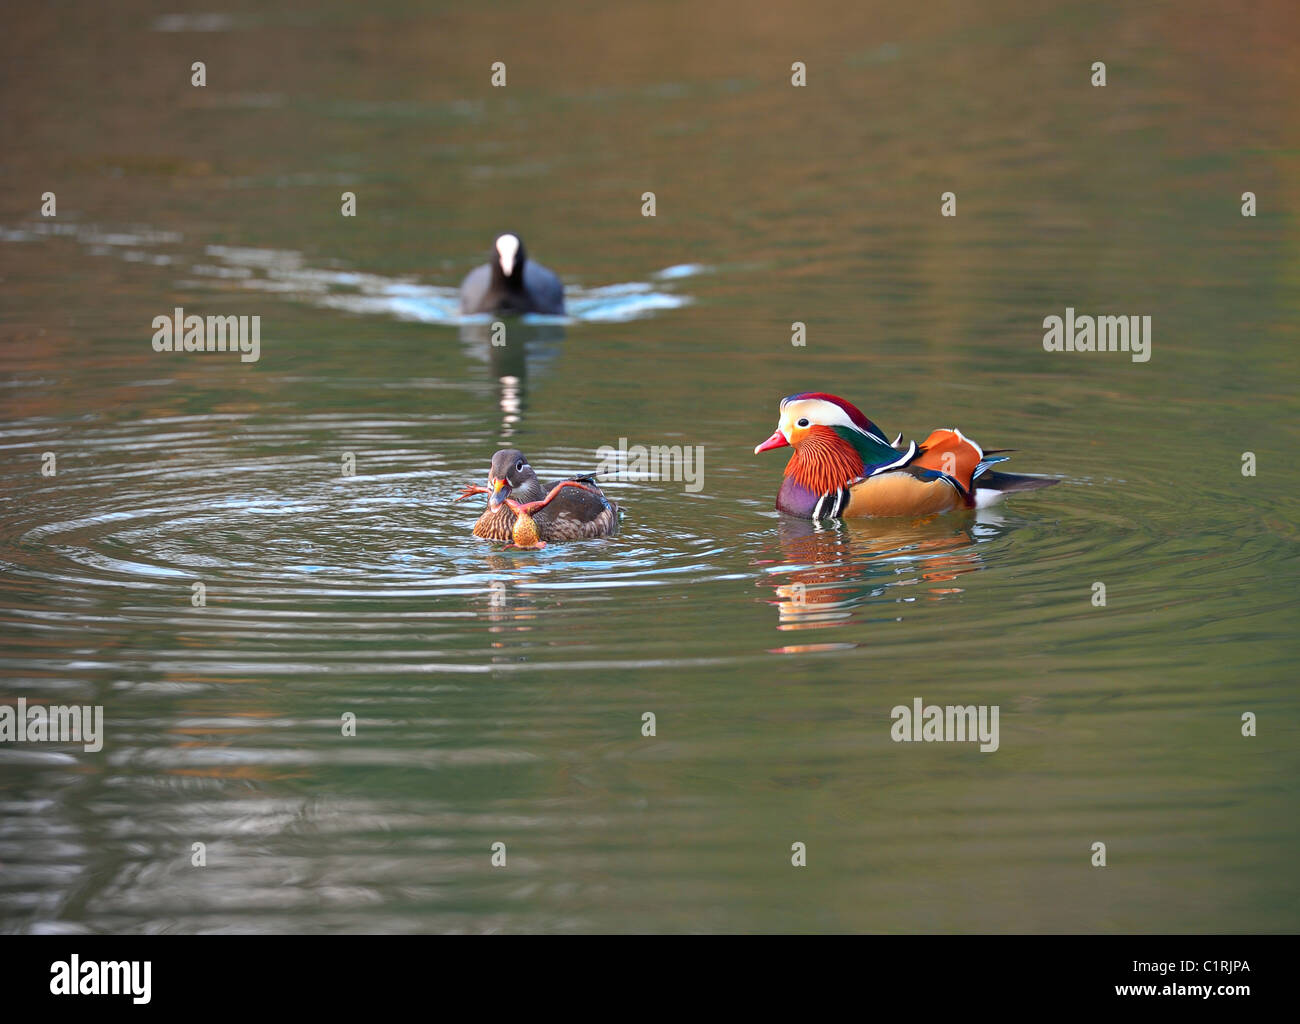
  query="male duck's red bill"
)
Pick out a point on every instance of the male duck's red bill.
point(843, 466)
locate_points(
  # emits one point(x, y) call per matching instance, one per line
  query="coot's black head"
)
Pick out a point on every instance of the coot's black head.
point(508, 257)
point(511, 474)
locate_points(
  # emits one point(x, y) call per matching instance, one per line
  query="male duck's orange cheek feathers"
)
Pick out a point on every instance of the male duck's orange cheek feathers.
point(822, 461)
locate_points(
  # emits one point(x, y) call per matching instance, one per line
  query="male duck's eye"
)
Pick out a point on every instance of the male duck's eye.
point(519, 466)
point(802, 423)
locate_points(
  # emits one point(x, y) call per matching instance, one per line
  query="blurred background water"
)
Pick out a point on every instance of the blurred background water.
point(499, 695)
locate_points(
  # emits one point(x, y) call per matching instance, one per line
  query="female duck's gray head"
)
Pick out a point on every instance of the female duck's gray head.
point(511, 476)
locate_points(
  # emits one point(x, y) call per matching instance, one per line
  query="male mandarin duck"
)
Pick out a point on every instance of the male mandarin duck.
point(521, 510)
point(844, 467)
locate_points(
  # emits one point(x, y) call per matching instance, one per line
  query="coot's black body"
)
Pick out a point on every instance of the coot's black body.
point(510, 283)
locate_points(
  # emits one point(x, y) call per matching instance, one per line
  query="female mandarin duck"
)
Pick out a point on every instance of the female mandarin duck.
point(521, 510)
point(843, 467)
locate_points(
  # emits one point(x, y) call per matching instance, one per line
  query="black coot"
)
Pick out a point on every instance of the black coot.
point(511, 283)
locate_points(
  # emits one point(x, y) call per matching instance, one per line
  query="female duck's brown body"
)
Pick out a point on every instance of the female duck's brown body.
point(574, 513)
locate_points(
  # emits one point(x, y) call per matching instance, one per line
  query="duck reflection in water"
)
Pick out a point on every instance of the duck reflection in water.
point(510, 611)
point(513, 349)
point(839, 566)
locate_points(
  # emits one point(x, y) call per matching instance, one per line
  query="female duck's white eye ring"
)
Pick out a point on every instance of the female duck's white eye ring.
point(803, 422)
point(519, 466)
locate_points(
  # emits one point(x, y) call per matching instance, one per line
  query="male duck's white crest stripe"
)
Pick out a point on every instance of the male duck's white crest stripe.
point(831, 415)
